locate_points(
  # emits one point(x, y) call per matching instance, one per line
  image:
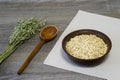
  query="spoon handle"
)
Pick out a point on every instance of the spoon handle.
point(33, 53)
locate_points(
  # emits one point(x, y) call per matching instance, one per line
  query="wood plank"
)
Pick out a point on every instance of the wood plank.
point(57, 13)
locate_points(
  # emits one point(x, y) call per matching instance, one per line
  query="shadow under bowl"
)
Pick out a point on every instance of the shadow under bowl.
point(88, 62)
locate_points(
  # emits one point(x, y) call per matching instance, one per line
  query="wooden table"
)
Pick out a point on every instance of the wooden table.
point(57, 13)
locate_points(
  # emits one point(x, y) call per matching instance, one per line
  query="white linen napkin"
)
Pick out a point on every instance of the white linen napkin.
point(110, 68)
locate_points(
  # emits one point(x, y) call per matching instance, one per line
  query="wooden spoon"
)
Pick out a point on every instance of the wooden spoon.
point(47, 33)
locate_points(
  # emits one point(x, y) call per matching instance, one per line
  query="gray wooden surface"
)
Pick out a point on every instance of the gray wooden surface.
point(57, 13)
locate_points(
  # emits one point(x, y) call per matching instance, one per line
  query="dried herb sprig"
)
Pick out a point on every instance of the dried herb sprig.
point(24, 30)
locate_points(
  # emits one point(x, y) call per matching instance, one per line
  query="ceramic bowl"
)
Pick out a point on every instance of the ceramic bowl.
point(99, 34)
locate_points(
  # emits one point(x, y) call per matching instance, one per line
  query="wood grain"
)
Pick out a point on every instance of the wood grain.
point(57, 13)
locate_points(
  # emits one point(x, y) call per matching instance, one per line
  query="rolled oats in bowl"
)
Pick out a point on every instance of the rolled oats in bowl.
point(86, 46)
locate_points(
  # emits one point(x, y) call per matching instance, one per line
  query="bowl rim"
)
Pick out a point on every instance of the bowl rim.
point(76, 32)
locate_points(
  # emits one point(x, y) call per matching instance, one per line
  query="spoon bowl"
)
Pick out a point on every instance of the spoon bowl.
point(48, 32)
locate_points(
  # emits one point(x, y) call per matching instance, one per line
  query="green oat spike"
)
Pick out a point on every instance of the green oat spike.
point(24, 30)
